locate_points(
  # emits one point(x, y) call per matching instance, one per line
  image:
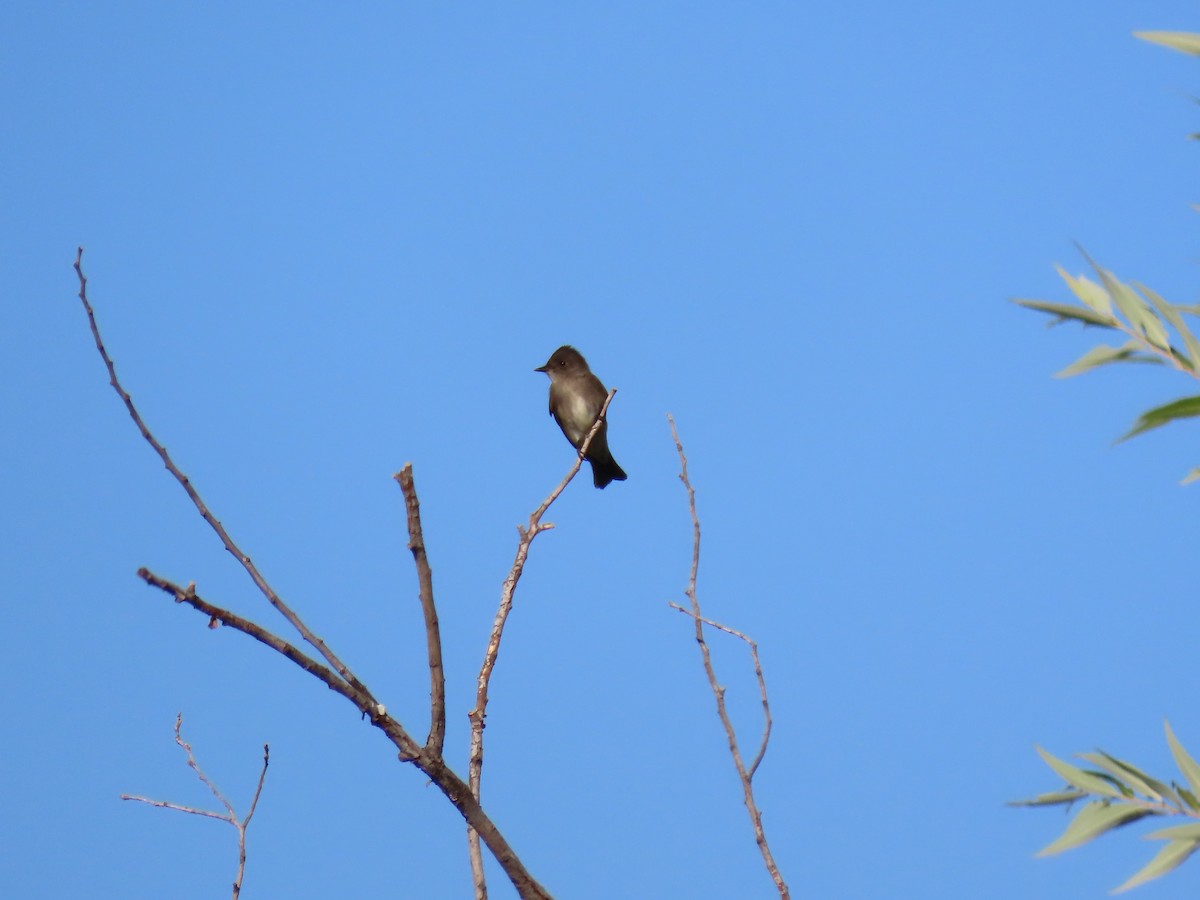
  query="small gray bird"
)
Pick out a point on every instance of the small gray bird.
point(576, 398)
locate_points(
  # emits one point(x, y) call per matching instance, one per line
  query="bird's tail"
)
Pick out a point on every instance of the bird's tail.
point(606, 471)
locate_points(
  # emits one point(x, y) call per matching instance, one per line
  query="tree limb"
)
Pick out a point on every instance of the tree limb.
point(343, 682)
point(184, 482)
point(433, 637)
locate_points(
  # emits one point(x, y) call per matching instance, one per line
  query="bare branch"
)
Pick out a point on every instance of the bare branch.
point(456, 790)
point(433, 638)
point(186, 484)
point(758, 673)
point(221, 616)
point(230, 816)
point(258, 790)
point(166, 804)
point(479, 713)
point(195, 767)
point(744, 775)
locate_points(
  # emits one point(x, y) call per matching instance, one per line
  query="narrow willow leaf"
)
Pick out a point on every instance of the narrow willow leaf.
point(1183, 759)
point(1191, 476)
point(1092, 821)
point(1063, 312)
point(1136, 310)
point(1182, 41)
point(1101, 355)
point(1088, 291)
point(1131, 775)
point(1133, 307)
point(1054, 798)
point(1188, 797)
point(1168, 858)
point(1156, 786)
point(1189, 832)
point(1184, 408)
point(1078, 778)
point(1171, 314)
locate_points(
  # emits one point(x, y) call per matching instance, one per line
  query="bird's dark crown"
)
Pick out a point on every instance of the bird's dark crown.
point(565, 357)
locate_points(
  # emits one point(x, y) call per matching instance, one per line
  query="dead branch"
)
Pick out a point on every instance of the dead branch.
point(745, 776)
point(186, 484)
point(758, 673)
point(428, 759)
point(433, 638)
point(229, 816)
point(479, 713)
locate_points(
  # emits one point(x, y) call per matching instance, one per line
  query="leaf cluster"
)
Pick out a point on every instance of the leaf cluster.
point(1118, 793)
point(1156, 332)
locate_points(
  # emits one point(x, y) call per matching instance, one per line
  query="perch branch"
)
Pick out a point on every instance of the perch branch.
point(745, 776)
point(479, 713)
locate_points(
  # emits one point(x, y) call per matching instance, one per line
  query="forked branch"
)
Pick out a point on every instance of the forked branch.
point(201, 507)
point(337, 676)
point(229, 815)
point(745, 775)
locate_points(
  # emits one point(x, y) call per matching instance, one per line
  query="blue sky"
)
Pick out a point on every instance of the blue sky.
point(325, 242)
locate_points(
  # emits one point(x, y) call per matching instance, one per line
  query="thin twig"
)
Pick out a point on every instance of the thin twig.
point(195, 767)
point(221, 616)
point(456, 790)
point(479, 713)
point(744, 775)
point(186, 484)
point(758, 673)
point(433, 638)
point(229, 816)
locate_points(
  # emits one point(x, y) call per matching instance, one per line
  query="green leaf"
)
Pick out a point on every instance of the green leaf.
point(1189, 832)
point(1184, 408)
point(1188, 797)
point(1103, 354)
point(1186, 764)
point(1168, 858)
point(1182, 41)
point(1191, 476)
point(1092, 821)
point(1063, 311)
point(1088, 291)
point(1171, 314)
point(1135, 309)
point(1054, 798)
point(1131, 775)
point(1078, 778)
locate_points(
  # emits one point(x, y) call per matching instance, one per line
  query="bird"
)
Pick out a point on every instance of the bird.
point(576, 398)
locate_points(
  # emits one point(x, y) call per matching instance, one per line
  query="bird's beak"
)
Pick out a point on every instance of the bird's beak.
point(542, 368)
